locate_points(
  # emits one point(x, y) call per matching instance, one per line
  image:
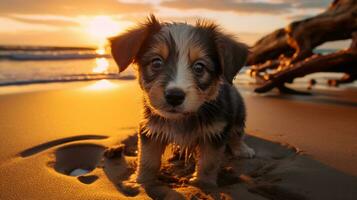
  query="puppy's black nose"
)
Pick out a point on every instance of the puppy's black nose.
point(174, 96)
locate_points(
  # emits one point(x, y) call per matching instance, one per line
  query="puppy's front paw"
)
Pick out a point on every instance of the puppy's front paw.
point(246, 151)
point(114, 152)
point(129, 187)
point(202, 183)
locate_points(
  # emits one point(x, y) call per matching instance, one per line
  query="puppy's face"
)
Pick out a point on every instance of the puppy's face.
point(180, 66)
point(179, 70)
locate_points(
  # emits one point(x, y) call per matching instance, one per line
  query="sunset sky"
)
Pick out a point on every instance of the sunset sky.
point(89, 22)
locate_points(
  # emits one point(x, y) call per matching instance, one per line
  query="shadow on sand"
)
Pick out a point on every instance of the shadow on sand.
point(277, 172)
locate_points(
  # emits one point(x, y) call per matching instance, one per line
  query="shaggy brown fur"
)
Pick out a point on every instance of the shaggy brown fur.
point(186, 75)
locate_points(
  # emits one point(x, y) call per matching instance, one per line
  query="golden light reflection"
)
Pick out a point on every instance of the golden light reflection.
point(101, 85)
point(102, 27)
point(102, 65)
point(100, 51)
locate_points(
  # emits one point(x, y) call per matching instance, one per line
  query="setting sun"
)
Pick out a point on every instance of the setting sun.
point(102, 27)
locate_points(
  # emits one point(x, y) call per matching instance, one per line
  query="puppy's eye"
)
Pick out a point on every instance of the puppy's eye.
point(156, 64)
point(199, 68)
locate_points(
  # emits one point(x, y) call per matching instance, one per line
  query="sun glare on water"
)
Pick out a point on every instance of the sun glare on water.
point(99, 29)
point(102, 66)
point(101, 85)
point(100, 51)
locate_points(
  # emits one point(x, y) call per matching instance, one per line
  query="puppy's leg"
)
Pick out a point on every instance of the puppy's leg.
point(208, 164)
point(239, 147)
point(246, 151)
point(150, 152)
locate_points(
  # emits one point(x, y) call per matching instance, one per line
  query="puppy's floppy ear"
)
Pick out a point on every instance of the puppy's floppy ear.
point(232, 54)
point(125, 47)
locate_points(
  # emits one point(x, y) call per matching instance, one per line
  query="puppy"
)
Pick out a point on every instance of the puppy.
point(186, 75)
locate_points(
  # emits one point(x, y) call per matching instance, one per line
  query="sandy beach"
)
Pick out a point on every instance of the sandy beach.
point(306, 146)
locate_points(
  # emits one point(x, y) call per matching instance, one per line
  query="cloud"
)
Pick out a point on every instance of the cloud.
point(299, 17)
point(72, 7)
point(229, 5)
point(116, 7)
point(64, 37)
point(191, 19)
point(309, 3)
point(62, 21)
point(247, 6)
point(49, 20)
point(68, 13)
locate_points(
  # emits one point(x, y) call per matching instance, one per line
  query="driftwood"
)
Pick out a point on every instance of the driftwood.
point(270, 47)
point(289, 51)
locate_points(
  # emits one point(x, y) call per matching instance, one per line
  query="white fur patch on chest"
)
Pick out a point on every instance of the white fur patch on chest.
point(176, 132)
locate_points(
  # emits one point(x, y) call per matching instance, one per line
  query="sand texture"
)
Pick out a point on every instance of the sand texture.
point(46, 135)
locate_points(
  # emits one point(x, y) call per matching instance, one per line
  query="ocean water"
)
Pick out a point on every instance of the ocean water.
point(25, 65)
point(21, 65)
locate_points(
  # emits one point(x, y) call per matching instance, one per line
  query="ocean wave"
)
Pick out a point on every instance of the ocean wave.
point(51, 56)
point(38, 53)
point(43, 48)
point(70, 78)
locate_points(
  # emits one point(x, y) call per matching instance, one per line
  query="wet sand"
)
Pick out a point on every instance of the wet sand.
point(305, 146)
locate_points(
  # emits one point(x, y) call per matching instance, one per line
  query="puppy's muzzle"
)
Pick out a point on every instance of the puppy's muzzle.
point(174, 96)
